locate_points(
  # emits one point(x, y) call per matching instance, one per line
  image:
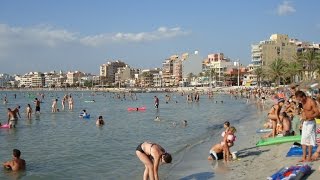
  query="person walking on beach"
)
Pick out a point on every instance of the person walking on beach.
point(152, 155)
point(309, 113)
point(16, 164)
point(37, 102)
point(156, 102)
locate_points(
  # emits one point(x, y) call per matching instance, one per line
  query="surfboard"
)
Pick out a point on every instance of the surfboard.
point(278, 140)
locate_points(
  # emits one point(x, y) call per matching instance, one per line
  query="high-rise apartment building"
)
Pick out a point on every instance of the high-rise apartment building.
point(278, 46)
point(108, 70)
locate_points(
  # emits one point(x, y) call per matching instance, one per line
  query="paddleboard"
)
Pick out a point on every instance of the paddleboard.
point(278, 140)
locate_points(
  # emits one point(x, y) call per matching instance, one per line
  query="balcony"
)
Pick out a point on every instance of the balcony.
point(256, 60)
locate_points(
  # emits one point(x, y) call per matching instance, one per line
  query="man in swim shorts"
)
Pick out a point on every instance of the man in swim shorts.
point(309, 113)
point(16, 163)
point(11, 119)
point(156, 102)
point(37, 102)
point(152, 155)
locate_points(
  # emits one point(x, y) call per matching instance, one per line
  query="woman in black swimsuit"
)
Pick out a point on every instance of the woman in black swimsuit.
point(151, 155)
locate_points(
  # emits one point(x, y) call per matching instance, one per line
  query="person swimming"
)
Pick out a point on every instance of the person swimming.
point(157, 118)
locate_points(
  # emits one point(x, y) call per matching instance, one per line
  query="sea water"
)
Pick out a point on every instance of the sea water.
point(63, 146)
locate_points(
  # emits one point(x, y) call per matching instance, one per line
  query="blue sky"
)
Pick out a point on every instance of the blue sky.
point(44, 35)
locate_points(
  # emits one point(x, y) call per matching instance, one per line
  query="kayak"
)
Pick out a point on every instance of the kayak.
point(278, 140)
point(137, 109)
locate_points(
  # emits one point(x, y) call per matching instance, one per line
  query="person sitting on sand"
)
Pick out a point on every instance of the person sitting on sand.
point(152, 155)
point(100, 121)
point(16, 163)
point(286, 124)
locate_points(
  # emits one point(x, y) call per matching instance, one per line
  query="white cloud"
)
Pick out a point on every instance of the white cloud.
point(52, 37)
point(160, 33)
point(285, 8)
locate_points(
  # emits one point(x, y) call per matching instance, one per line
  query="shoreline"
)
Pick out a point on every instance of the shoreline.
point(252, 162)
point(128, 90)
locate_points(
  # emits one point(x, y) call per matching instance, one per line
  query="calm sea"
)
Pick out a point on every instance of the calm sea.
point(63, 146)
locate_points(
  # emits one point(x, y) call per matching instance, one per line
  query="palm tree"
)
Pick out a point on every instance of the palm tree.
point(259, 73)
point(309, 59)
point(292, 70)
point(209, 74)
point(276, 69)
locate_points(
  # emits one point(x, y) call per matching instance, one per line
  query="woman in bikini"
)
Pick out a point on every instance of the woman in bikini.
point(273, 115)
point(151, 155)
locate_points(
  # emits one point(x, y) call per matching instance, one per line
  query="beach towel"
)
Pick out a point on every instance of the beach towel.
point(295, 151)
point(292, 172)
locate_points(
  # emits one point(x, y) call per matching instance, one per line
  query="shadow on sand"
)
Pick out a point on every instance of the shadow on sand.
point(199, 176)
point(253, 151)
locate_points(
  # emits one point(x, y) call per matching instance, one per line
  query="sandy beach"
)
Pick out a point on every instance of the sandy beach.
point(252, 163)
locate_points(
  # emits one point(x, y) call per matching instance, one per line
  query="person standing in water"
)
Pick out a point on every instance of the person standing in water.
point(29, 111)
point(70, 100)
point(11, 119)
point(54, 105)
point(156, 102)
point(152, 155)
point(37, 102)
point(16, 164)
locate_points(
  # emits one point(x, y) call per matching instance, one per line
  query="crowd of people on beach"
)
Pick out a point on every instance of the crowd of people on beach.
point(293, 112)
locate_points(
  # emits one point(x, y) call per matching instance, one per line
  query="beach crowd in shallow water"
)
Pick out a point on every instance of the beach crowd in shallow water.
point(293, 112)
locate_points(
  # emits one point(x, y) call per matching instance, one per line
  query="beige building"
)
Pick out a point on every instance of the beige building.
point(278, 46)
point(219, 64)
point(108, 70)
point(171, 71)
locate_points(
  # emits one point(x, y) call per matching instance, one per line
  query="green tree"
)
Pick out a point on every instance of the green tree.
point(292, 70)
point(309, 60)
point(259, 73)
point(276, 70)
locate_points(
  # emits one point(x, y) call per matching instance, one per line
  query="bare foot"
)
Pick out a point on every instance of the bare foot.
point(209, 158)
point(308, 160)
point(302, 160)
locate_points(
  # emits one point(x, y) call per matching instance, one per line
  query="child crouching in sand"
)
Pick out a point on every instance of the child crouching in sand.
point(222, 150)
point(228, 141)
